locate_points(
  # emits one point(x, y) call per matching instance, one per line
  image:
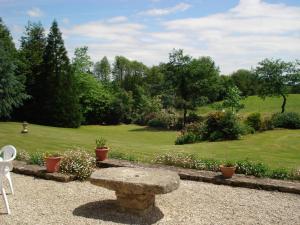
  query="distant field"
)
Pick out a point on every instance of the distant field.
point(267, 106)
point(278, 148)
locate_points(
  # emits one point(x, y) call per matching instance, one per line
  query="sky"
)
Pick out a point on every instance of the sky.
point(235, 33)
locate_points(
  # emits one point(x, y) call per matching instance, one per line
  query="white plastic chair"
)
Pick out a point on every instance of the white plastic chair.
point(9, 153)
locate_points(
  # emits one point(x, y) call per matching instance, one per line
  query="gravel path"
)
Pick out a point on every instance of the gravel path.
point(42, 202)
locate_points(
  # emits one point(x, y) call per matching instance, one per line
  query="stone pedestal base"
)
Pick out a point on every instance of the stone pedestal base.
point(139, 204)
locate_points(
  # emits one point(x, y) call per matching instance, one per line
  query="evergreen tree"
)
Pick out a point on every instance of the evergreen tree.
point(60, 97)
point(102, 70)
point(32, 49)
point(12, 89)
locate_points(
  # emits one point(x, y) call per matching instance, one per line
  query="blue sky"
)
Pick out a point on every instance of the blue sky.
point(235, 33)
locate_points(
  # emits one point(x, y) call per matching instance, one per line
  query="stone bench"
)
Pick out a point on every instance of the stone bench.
point(136, 188)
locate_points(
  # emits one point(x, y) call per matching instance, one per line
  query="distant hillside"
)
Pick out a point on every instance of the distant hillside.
point(267, 106)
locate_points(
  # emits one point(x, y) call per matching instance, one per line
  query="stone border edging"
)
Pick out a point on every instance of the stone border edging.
point(40, 172)
point(238, 180)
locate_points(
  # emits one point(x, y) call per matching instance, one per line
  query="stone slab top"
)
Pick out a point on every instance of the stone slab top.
point(136, 180)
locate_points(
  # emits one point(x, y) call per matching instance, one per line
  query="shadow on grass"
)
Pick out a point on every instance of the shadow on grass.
point(108, 211)
point(148, 129)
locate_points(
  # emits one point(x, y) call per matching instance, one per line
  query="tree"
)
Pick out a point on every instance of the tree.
point(32, 48)
point(60, 102)
point(275, 76)
point(232, 99)
point(120, 69)
point(102, 70)
point(192, 80)
point(12, 89)
point(82, 61)
point(246, 81)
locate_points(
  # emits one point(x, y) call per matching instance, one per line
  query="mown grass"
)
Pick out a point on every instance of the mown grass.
point(277, 148)
point(268, 106)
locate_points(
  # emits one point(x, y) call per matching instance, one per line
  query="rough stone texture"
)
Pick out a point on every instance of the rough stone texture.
point(40, 171)
point(237, 180)
point(136, 187)
point(138, 204)
point(136, 180)
point(46, 202)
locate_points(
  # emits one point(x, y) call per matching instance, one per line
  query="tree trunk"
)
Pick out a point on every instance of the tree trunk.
point(283, 104)
point(184, 116)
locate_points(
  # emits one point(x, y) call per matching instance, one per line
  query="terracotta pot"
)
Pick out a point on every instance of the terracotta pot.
point(227, 171)
point(101, 153)
point(52, 164)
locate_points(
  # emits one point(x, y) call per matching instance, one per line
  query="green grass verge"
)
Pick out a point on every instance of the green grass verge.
point(277, 148)
point(266, 107)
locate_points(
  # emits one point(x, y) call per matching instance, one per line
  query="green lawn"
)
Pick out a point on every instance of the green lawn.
point(267, 106)
point(278, 148)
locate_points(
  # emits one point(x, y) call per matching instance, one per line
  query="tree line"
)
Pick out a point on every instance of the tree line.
point(40, 84)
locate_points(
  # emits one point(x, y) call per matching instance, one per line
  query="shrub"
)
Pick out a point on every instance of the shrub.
point(193, 118)
point(195, 128)
point(254, 121)
point(280, 173)
point(36, 158)
point(251, 168)
point(186, 138)
point(246, 129)
point(79, 163)
point(23, 155)
point(221, 126)
point(163, 120)
point(100, 142)
point(267, 124)
point(158, 123)
point(177, 159)
point(295, 174)
point(207, 164)
point(290, 120)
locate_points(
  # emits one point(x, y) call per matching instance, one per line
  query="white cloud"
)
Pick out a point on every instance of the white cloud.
point(117, 19)
point(35, 12)
point(166, 11)
point(65, 21)
point(237, 38)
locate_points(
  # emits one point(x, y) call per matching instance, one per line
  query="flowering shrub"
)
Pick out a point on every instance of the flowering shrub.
point(79, 163)
point(22, 155)
point(178, 159)
point(36, 158)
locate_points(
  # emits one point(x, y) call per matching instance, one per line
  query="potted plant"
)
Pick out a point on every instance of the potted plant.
point(52, 161)
point(101, 149)
point(227, 169)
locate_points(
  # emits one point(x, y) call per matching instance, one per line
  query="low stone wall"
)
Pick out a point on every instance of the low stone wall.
point(40, 172)
point(237, 180)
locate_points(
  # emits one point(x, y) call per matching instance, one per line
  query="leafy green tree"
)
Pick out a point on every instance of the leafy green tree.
point(120, 69)
point(12, 89)
point(275, 75)
point(192, 80)
point(233, 99)
point(32, 48)
point(82, 62)
point(60, 102)
point(102, 70)
point(246, 81)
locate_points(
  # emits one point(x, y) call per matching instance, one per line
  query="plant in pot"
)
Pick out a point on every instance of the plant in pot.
point(52, 162)
point(228, 169)
point(101, 149)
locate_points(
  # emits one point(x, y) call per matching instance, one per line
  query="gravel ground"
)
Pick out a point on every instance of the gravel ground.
point(41, 202)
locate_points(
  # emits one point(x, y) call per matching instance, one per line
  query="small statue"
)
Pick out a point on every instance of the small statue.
point(25, 128)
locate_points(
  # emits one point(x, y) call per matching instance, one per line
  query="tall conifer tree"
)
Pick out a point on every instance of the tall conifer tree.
point(60, 97)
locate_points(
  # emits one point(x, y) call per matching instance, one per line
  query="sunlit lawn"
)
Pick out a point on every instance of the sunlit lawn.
point(277, 148)
point(267, 106)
